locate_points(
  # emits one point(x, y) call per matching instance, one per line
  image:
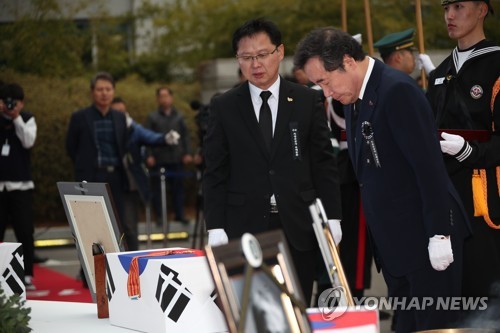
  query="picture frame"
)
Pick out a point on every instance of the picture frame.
point(257, 287)
point(92, 216)
point(330, 254)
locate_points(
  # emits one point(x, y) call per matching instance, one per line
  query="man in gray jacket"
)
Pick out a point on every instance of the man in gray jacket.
point(167, 120)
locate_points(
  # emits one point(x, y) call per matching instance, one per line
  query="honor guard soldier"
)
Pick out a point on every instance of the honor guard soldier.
point(463, 91)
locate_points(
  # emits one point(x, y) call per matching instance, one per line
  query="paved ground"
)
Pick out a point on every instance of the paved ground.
point(65, 258)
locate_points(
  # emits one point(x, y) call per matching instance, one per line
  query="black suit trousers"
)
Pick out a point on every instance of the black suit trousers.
point(304, 262)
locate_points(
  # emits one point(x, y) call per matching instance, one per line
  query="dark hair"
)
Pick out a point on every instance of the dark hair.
point(101, 76)
point(330, 45)
point(118, 99)
point(12, 90)
point(255, 26)
point(158, 90)
point(385, 56)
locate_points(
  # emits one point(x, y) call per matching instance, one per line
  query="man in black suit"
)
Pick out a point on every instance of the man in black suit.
point(413, 212)
point(96, 140)
point(265, 167)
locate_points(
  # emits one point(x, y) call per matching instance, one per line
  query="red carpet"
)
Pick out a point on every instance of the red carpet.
point(54, 286)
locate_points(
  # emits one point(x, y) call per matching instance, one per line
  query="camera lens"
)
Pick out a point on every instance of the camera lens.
point(10, 103)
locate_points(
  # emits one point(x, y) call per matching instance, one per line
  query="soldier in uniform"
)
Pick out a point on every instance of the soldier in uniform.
point(462, 93)
point(397, 51)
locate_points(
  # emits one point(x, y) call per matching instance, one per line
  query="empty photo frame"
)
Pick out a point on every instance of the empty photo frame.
point(90, 212)
point(257, 285)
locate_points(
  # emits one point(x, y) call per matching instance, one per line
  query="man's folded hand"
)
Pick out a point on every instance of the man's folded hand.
point(440, 252)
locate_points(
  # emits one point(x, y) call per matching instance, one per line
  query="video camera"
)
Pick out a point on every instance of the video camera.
point(11, 94)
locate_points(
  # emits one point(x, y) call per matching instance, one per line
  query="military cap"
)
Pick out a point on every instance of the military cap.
point(395, 41)
point(449, 2)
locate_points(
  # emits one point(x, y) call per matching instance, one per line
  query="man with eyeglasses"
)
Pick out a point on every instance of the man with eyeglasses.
point(268, 154)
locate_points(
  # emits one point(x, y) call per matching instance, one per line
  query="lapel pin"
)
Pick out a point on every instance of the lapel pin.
point(289, 99)
point(370, 103)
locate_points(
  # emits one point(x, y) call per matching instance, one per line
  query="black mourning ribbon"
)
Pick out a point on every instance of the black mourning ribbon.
point(367, 131)
point(265, 119)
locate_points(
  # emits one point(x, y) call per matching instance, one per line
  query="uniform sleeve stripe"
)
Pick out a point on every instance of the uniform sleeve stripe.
point(461, 156)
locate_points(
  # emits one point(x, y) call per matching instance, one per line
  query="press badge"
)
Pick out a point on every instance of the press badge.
point(6, 148)
point(438, 81)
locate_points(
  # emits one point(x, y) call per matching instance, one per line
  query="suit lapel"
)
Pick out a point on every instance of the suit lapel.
point(245, 107)
point(351, 142)
point(366, 111)
point(90, 123)
point(285, 109)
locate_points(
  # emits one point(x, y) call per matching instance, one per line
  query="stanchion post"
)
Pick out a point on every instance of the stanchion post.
point(199, 226)
point(149, 226)
point(164, 206)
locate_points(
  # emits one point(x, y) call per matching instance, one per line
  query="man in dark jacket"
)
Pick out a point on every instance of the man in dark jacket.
point(168, 120)
point(96, 140)
point(268, 154)
point(413, 213)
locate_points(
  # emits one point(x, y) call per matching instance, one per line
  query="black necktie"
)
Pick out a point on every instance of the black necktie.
point(357, 106)
point(355, 113)
point(265, 119)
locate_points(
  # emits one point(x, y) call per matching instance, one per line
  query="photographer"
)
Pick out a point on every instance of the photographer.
point(17, 137)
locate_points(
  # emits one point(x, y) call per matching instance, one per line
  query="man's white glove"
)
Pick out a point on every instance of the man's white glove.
point(336, 230)
point(129, 120)
point(424, 61)
point(217, 237)
point(440, 252)
point(172, 137)
point(454, 144)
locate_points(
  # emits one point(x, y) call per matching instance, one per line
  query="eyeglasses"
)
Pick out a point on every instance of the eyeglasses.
point(259, 57)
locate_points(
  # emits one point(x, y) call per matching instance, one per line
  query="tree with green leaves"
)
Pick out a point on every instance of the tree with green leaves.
point(48, 41)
